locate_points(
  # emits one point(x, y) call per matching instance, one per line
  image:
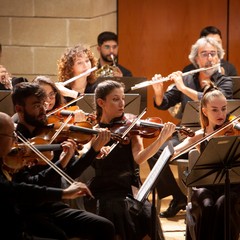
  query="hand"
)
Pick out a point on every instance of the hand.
point(117, 72)
point(103, 152)
point(158, 89)
point(5, 78)
point(178, 80)
point(79, 116)
point(76, 189)
point(66, 92)
point(102, 138)
point(167, 131)
point(69, 148)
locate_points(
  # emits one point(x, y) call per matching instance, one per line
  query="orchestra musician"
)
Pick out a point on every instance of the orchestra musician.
point(206, 52)
point(14, 194)
point(117, 173)
point(108, 55)
point(205, 220)
point(73, 62)
point(55, 219)
point(55, 99)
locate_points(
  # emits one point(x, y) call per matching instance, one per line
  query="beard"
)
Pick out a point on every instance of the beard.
point(33, 121)
point(105, 58)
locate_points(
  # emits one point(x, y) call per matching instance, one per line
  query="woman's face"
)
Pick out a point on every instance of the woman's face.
point(216, 111)
point(51, 96)
point(81, 64)
point(114, 104)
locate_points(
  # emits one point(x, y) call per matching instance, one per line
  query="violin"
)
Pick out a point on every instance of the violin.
point(232, 130)
point(148, 128)
point(61, 115)
point(81, 133)
point(20, 155)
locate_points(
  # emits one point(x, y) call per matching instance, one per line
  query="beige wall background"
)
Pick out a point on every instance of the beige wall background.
point(34, 33)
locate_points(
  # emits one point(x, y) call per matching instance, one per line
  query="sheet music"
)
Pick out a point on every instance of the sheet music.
point(152, 177)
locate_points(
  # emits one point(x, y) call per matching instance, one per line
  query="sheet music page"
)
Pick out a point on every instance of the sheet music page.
point(151, 178)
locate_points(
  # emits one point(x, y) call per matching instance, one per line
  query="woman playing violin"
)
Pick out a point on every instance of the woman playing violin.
point(208, 202)
point(117, 174)
point(55, 100)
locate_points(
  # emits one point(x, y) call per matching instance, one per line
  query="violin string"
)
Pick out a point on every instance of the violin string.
point(45, 159)
point(61, 128)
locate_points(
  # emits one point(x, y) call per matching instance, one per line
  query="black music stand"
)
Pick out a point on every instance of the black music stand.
point(132, 103)
point(6, 104)
point(236, 87)
point(129, 82)
point(219, 163)
point(135, 203)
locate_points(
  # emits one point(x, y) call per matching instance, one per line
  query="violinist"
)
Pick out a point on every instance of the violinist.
point(117, 173)
point(75, 61)
point(208, 202)
point(14, 194)
point(55, 100)
point(206, 52)
point(55, 219)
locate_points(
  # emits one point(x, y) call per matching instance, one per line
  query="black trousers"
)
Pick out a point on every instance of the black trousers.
point(62, 222)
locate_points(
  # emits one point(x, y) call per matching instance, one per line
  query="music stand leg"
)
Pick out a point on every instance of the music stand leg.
point(153, 215)
point(227, 207)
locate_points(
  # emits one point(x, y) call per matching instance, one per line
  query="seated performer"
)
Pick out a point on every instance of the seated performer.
point(117, 173)
point(205, 220)
point(55, 219)
point(206, 52)
point(14, 194)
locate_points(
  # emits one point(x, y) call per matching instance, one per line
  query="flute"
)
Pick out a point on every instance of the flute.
point(79, 76)
point(164, 79)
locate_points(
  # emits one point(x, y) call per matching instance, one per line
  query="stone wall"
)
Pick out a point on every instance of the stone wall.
point(34, 33)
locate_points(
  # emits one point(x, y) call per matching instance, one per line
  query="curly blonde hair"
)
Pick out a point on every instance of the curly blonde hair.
point(66, 62)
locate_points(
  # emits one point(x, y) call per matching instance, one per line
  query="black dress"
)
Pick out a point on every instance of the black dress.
point(115, 176)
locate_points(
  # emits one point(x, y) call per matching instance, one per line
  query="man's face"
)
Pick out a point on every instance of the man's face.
point(34, 112)
point(207, 57)
point(107, 49)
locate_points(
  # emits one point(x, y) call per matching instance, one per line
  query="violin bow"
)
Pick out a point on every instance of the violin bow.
point(66, 105)
point(60, 128)
point(45, 159)
point(128, 130)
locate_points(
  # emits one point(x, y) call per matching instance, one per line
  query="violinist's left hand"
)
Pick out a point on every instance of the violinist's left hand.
point(69, 148)
point(167, 131)
point(79, 116)
point(102, 138)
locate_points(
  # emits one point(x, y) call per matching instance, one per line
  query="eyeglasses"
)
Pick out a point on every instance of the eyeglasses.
point(51, 95)
point(13, 136)
point(206, 54)
point(107, 47)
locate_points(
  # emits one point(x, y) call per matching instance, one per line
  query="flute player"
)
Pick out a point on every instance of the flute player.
point(205, 53)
